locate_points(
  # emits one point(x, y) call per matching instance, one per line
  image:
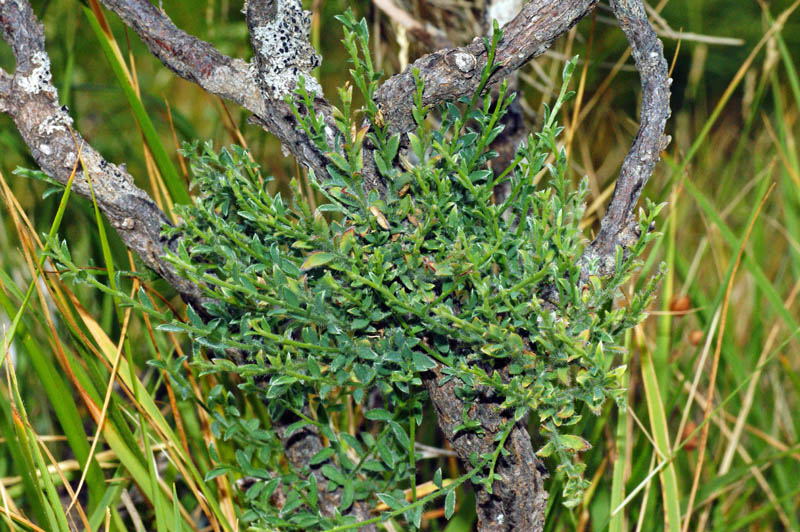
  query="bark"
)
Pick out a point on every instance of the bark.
point(281, 54)
point(452, 73)
point(517, 502)
point(30, 98)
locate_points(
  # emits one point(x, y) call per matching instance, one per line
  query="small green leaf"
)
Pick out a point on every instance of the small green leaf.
point(450, 504)
point(216, 472)
point(423, 362)
point(392, 502)
point(391, 147)
point(333, 474)
point(347, 495)
point(321, 456)
point(401, 435)
point(339, 161)
point(378, 414)
point(283, 380)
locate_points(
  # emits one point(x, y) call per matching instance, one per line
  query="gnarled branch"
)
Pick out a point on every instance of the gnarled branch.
point(619, 226)
point(30, 98)
point(450, 74)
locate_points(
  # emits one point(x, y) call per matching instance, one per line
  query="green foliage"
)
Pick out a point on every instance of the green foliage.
point(362, 296)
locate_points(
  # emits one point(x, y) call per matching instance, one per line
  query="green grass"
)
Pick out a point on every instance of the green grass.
point(735, 125)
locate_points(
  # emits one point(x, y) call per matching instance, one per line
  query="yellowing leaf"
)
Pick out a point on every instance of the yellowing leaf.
point(316, 259)
point(381, 219)
point(347, 240)
point(545, 451)
point(574, 443)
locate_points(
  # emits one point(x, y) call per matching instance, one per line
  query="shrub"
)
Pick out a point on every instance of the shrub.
point(335, 312)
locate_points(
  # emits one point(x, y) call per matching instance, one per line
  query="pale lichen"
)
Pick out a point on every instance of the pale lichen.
point(69, 160)
point(55, 123)
point(503, 11)
point(39, 78)
point(283, 44)
point(465, 62)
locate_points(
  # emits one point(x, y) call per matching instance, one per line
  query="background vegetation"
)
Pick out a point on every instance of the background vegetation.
point(723, 326)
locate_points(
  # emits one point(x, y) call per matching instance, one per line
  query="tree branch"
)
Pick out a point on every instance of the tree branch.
point(619, 226)
point(519, 501)
point(189, 57)
point(231, 78)
point(452, 73)
point(30, 98)
point(448, 74)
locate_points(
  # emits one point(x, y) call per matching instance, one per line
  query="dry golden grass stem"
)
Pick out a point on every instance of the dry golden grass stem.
point(225, 497)
point(29, 239)
point(581, 88)
point(54, 464)
point(715, 364)
point(12, 513)
point(107, 399)
point(646, 496)
point(747, 403)
point(746, 458)
point(105, 459)
point(181, 159)
point(784, 156)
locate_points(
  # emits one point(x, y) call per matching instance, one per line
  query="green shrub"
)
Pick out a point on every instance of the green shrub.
point(361, 296)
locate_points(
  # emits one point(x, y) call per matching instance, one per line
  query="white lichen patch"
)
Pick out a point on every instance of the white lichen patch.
point(54, 123)
point(69, 160)
point(39, 78)
point(503, 11)
point(465, 62)
point(46, 149)
point(284, 46)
